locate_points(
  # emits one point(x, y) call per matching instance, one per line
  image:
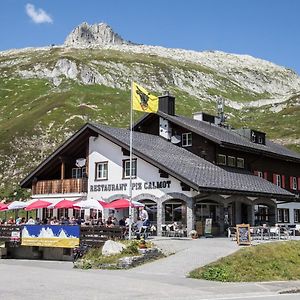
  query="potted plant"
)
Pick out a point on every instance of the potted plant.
point(193, 234)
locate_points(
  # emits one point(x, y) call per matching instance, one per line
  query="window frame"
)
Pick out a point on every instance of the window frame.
point(296, 213)
point(234, 160)
point(260, 174)
point(79, 172)
point(187, 137)
point(278, 180)
point(295, 183)
point(134, 168)
point(225, 158)
point(283, 215)
point(97, 173)
point(238, 160)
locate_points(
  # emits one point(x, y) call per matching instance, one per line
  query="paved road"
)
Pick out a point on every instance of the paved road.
point(163, 279)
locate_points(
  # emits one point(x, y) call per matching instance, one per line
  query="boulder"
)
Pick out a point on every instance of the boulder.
point(111, 248)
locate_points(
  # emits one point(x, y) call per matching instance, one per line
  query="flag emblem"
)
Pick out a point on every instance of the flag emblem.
point(142, 100)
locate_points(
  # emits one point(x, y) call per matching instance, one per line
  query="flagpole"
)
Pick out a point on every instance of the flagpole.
point(130, 163)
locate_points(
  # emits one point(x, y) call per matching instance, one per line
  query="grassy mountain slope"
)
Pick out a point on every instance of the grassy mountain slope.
point(47, 94)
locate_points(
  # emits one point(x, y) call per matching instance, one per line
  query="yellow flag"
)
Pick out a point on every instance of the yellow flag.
point(142, 100)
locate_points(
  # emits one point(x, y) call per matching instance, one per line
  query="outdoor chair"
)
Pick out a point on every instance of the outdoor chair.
point(274, 232)
point(284, 233)
point(231, 233)
point(164, 230)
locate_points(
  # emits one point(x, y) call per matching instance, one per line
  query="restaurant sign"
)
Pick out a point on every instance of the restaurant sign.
point(50, 236)
point(148, 185)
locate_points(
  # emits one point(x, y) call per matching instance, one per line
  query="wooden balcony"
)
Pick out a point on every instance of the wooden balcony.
point(64, 186)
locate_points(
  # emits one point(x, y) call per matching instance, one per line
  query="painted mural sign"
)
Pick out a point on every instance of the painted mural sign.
point(50, 236)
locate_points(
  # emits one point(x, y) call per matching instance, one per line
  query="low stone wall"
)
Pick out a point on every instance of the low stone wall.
point(127, 262)
point(133, 261)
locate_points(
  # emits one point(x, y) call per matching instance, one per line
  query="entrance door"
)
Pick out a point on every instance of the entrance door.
point(244, 214)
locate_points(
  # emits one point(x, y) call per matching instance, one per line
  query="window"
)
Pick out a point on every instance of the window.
point(101, 170)
point(260, 140)
point(262, 214)
point(221, 159)
point(126, 168)
point(231, 161)
point(78, 172)
point(260, 174)
point(186, 139)
point(297, 215)
point(293, 182)
point(283, 215)
point(240, 163)
point(278, 180)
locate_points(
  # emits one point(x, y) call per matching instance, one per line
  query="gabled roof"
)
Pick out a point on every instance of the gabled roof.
point(226, 137)
point(187, 167)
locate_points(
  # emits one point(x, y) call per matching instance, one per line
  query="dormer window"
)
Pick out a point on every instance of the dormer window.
point(221, 159)
point(187, 139)
point(240, 163)
point(231, 161)
point(253, 137)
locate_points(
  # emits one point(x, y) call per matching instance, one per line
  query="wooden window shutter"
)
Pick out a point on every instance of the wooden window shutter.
point(255, 172)
point(274, 178)
point(283, 181)
point(298, 183)
point(291, 182)
point(266, 175)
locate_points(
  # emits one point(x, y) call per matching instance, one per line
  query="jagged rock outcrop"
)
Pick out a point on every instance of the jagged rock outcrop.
point(94, 35)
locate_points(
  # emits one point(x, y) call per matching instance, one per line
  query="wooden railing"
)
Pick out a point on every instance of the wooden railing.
point(63, 186)
point(97, 235)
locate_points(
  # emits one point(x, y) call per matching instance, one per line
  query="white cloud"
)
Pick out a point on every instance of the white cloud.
point(37, 15)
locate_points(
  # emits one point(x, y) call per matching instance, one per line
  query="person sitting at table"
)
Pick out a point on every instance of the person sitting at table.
point(109, 222)
point(11, 221)
point(30, 221)
point(122, 222)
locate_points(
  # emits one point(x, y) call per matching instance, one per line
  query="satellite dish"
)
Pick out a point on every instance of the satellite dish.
point(175, 139)
point(80, 162)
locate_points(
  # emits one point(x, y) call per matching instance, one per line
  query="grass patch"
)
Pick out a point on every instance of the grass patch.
point(268, 262)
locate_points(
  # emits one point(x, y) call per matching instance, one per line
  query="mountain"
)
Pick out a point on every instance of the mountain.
point(47, 93)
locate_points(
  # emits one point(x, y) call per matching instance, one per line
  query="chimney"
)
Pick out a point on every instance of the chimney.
point(167, 104)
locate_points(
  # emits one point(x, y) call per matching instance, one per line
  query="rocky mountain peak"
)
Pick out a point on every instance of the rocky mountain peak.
point(94, 35)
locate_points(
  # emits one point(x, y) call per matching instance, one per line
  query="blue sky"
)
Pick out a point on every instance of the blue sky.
point(267, 29)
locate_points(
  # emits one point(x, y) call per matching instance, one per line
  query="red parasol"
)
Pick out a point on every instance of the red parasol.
point(123, 203)
point(3, 206)
point(38, 204)
point(64, 204)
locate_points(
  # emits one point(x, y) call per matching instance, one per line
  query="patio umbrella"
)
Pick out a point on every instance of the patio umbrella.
point(17, 205)
point(64, 204)
point(38, 204)
point(123, 203)
point(3, 206)
point(91, 203)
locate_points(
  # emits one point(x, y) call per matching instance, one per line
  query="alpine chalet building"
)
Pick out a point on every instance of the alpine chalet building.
point(184, 170)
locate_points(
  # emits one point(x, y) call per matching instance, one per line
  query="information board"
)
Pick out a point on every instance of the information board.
point(243, 236)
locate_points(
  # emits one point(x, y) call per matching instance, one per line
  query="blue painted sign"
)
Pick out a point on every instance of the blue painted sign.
point(63, 236)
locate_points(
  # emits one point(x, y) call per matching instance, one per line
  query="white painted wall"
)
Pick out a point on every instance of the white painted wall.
point(101, 149)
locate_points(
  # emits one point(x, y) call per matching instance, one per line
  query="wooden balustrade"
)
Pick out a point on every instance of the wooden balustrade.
point(64, 186)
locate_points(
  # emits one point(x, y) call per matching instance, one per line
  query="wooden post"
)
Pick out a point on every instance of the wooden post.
point(62, 170)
